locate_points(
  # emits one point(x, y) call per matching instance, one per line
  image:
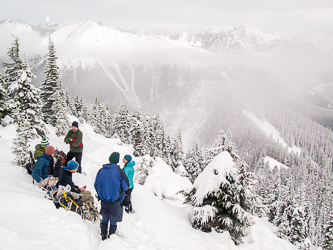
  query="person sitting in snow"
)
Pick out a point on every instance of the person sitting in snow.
point(39, 171)
point(39, 148)
point(129, 171)
point(65, 178)
point(74, 139)
point(111, 183)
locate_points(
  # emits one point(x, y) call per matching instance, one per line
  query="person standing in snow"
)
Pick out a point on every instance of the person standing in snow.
point(39, 171)
point(129, 171)
point(39, 148)
point(74, 139)
point(111, 183)
point(65, 178)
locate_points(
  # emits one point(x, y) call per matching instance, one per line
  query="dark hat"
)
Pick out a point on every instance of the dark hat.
point(71, 165)
point(114, 157)
point(49, 150)
point(75, 124)
point(128, 158)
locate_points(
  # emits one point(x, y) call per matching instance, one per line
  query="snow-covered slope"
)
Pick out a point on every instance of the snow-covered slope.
point(29, 221)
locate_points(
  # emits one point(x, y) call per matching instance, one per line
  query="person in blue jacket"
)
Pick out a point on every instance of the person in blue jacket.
point(111, 183)
point(129, 171)
point(39, 171)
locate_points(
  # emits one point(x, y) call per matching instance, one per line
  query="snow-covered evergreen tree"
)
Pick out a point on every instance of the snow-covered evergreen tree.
point(328, 234)
point(3, 99)
point(60, 111)
point(138, 133)
point(50, 85)
point(194, 162)
point(23, 97)
point(78, 104)
point(177, 152)
point(223, 198)
point(143, 169)
point(24, 102)
point(121, 123)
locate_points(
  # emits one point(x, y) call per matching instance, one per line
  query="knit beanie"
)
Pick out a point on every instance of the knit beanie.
point(49, 150)
point(128, 158)
point(71, 165)
point(75, 124)
point(114, 157)
point(44, 143)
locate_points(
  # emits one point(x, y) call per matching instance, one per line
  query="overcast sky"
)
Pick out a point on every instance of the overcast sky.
point(290, 17)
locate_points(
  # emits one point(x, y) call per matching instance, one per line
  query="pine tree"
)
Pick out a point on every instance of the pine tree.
point(23, 97)
point(143, 169)
point(121, 124)
point(3, 99)
point(194, 162)
point(50, 85)
point(60, 111)
point(24, 104)
point(328, 234)
point(138, 134)
point(78, 104)
point(177, 153)
point(223, 198)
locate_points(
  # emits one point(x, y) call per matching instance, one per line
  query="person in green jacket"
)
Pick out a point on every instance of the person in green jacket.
point(39, 148)
point(74, 139)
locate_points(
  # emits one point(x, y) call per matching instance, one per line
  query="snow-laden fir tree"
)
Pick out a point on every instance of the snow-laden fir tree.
point(194, 162)
point(121, 123)
point(107, 119)
point(328, 234)
point(24, 102)
point(143, 169)
point(157, 136)
point(96, 117)
point(69, 104)
point(3, 98)
point(60, 111)
point(78, 104)
point(23, 97)
point(50, 85)
point(138, 133)
point(223, 198)
point(21, 142)
point(177, 152)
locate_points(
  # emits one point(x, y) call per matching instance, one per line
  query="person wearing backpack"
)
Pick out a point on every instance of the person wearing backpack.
point(65, 178)
point(110, 184)
point(74, 139)
point(39, 171)
point(39, 148)
point(129, 171)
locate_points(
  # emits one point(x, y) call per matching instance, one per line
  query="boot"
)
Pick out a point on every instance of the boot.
point(112, 229)
point(104, 231)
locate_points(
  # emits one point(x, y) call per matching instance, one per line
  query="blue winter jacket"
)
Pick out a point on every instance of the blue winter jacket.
point(111, 183)
point(129, 171)
point(39, 171)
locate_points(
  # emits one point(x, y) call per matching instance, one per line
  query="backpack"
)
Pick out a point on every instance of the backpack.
point(60, 163)
point(31, 164)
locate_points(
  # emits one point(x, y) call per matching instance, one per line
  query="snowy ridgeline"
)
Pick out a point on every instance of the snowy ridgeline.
point(160, 221)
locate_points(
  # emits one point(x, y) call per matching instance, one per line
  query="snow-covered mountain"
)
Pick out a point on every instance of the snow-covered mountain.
point(179, 75)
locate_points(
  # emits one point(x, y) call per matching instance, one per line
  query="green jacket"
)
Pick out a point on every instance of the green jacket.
point(39, 151)
point(76, 146)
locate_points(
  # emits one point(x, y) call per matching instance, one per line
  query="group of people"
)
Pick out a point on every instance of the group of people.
point(113, 185)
